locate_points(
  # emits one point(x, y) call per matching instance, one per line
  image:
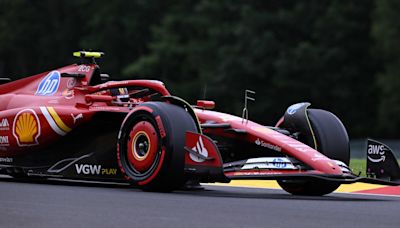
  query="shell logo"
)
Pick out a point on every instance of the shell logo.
point(26, 128)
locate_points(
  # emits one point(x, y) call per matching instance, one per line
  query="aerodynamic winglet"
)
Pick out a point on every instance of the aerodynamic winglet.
point(381, 162)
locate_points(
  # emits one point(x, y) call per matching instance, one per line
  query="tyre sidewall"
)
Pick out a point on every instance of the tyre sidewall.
point(331, 135)
point(171, 123)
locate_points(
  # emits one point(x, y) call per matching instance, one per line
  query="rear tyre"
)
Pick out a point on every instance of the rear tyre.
point(151, 146)
point(332, 141)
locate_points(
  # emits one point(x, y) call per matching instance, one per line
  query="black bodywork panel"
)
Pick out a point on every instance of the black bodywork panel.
point(88, 152)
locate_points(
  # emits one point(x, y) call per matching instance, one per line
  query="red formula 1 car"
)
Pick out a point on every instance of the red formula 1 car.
point(73, 122)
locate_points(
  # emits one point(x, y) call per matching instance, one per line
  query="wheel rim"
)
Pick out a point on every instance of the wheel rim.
point(143, 144)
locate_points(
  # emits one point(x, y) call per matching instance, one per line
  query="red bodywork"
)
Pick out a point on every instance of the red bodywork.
point(287, 145)
point(72, 104)
point(40, 110)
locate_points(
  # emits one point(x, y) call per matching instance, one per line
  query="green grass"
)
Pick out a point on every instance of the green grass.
point(360, 165)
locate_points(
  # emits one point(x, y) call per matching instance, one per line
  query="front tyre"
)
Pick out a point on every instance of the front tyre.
point(308, 187)
point(331, 139)
point(331, 135)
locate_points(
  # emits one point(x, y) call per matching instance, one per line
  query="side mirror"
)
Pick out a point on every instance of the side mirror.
point(98, 98)
point(205, 104)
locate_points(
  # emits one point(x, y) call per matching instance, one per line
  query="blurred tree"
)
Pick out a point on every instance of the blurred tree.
point(288, 51)
point(215, 49)
point(329, 63)
point(122, 30)
point(386, 31)
point(37, 35)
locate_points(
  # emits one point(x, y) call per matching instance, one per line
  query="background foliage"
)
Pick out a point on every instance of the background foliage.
point(339, 55)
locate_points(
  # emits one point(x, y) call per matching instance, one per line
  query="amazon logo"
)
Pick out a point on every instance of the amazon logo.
point(376, 153)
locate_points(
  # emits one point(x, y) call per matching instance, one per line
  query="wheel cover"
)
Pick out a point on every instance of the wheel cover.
point(143, 144)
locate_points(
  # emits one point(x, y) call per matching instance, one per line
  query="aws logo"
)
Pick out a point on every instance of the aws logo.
point(26, 128)
point(49, 85)
point(376, 151)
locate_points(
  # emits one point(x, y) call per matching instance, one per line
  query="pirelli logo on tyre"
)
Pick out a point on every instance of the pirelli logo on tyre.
point(160, 127)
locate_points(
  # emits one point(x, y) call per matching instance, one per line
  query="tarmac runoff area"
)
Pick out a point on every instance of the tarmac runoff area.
point(356, 188)
point(56, 203)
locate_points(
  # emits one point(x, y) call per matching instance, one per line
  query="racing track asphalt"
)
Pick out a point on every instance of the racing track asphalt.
point(69, 204)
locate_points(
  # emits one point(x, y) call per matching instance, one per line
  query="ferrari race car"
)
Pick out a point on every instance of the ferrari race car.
point(75, 123)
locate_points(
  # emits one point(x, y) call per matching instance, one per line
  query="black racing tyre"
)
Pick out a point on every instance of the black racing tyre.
point(331, 135)
point(333, 141)
point(308, 187)
point(151, 146)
